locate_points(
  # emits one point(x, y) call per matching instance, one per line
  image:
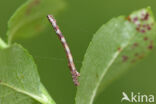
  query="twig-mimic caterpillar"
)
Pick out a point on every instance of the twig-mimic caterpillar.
point(71, 64)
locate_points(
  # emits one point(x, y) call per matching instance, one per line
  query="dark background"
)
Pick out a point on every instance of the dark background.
point(79, 22)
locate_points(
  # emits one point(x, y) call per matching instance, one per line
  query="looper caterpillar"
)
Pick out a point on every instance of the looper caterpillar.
point(71, 64)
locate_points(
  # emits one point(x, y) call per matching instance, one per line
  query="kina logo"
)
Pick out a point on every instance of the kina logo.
point(137, 98)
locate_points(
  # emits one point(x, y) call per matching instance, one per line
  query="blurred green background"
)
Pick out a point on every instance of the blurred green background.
point(78, 22)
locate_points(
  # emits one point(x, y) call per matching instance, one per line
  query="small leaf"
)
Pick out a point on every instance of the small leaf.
point(19, 79)
point(30, 18)
point(115, 47)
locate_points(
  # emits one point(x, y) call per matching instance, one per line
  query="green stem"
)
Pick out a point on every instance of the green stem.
point(3, 44)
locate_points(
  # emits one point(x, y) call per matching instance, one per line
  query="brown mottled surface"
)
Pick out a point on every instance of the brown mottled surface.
point(31, 5)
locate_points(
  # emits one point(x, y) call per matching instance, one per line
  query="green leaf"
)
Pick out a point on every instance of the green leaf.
point(30, 18)
point(115, 47)
point(19, 79)
point(3, 44)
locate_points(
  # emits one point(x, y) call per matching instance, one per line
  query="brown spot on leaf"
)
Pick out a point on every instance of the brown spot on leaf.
point(145, 25)
point(135, 19)
point(145, 38)
point(146, 16)
point(124, 58)
point(150, 47)
point(138, 28)
point(128, 18)
point(141, 56)
point(149, 28)
point(135, 45)
point(142, 31)
point(31, 5)
point(136, 54)
point(119, 49)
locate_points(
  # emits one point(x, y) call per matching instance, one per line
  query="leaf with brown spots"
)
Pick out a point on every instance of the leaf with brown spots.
point(30, 19)
point(115, 47)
